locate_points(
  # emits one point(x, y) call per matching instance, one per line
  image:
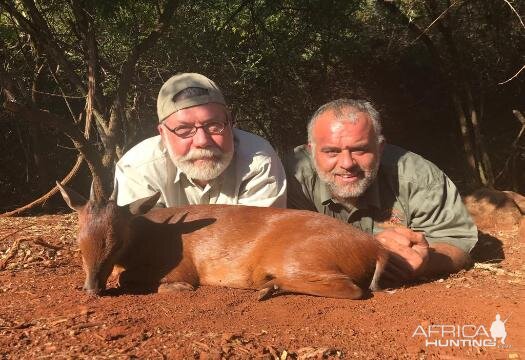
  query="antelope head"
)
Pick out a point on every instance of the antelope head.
point(103, 232)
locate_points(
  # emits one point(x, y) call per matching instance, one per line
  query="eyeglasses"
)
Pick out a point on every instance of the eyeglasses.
point(186, 131)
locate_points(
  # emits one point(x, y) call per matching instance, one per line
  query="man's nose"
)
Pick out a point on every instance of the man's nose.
point(202, 138)
point(346, 159)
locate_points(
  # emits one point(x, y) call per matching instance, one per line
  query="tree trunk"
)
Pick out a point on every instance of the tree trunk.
point(484, 165)
point(466, 138)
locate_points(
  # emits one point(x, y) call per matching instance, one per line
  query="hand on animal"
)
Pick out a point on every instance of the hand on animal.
point(409, 253)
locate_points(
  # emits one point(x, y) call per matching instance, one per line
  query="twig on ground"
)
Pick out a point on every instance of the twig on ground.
point(40, 241)
point(16, 231)
point(497, 270)
point(11, 252)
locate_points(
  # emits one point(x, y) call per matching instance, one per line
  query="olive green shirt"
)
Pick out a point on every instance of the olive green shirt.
point(408, 191)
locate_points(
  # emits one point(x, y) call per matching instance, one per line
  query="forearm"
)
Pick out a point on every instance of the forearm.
point(266, 185)
point(445, 259)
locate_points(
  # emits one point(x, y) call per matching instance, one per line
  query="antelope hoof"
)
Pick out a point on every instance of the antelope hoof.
point(174, 287)
point(267, 292)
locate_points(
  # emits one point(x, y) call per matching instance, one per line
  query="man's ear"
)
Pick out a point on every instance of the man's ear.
point(309, 147)
point(163, 132)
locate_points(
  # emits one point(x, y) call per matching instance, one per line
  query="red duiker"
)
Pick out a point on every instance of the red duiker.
point(237, 246)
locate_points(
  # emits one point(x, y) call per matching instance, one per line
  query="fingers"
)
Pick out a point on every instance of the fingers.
point(416, 238)
point(397, 239)
point(409, 252)
point(398, 244)
point(393, 241)
point(419, 245)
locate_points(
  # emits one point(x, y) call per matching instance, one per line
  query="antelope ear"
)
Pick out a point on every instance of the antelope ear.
point(142, 206)
point(73, 199)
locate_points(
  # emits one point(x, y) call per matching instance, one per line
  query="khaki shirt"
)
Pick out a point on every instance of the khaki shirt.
point(409, 191)
point(254, 177)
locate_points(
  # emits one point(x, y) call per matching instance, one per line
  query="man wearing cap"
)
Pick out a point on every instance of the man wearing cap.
point(347, 171)
point(198, 157)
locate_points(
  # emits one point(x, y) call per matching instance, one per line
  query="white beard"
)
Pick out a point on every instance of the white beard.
point(213, 162)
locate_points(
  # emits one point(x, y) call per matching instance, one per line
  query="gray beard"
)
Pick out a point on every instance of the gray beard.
point(348, 194)
point(216, 163)
point(353, 192)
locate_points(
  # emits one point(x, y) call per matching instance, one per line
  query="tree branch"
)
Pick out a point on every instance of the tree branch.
point(128, 70)
point(513, 77)
point(433, 22)
point(87, 150)
point(234, 14)
point(40, 30)
point(515, 12)
point(50, 193)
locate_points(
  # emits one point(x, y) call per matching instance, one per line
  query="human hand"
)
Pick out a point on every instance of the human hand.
point(409, 253)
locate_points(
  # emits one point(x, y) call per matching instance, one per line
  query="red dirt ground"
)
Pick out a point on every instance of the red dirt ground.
point(45, 314)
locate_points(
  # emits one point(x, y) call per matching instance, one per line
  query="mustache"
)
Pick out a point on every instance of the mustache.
point(198, 154)
point(354, 171)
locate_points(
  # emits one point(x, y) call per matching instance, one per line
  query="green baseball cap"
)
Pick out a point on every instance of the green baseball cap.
point(165, 101)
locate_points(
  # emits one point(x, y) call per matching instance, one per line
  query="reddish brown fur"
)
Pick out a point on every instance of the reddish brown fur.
point(246, 247)
point(493, 209)
point(234, 246)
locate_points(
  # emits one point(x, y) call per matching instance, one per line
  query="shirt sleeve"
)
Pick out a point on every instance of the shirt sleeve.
point(132, 185)
point(266, 184)
point(299, 196)
point(437, 210)
point(300, 181)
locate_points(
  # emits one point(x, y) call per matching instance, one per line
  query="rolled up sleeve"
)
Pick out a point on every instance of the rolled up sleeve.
point(437, 210)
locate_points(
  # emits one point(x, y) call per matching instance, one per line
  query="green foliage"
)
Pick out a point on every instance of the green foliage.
point(277, 61)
